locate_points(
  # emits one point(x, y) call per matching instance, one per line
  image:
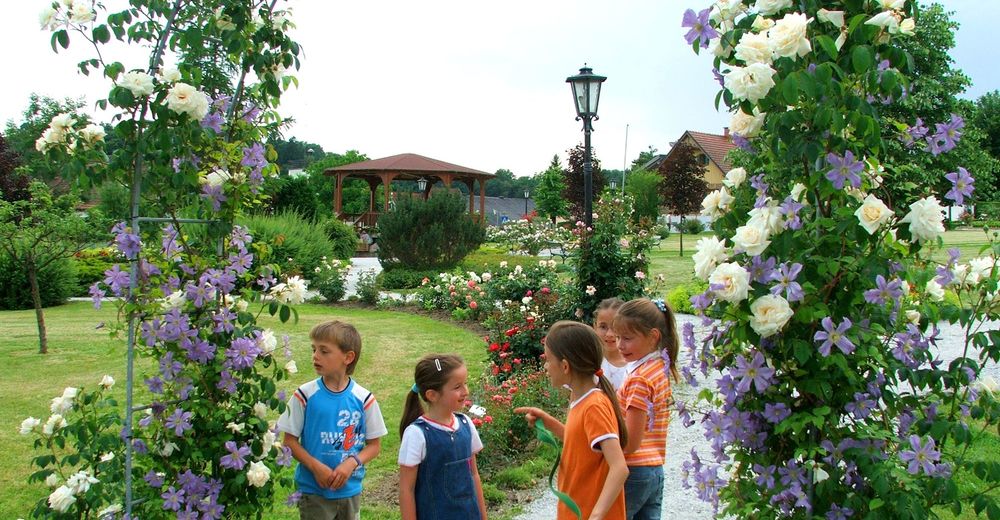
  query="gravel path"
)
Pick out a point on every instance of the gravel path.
point(682, 503)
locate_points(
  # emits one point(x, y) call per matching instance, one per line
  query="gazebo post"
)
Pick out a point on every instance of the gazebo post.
point(338, 195)
point(482, 201)
point(471, 184)
point(387, 185)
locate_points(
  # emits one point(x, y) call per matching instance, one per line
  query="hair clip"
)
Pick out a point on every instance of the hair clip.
point(414, 389)
point(437, 363)
point(660, 304)
point(599, 373)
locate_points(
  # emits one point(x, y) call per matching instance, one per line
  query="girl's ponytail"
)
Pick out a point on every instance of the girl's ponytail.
point(411, 410)
point(581, 347)
point(431, 373)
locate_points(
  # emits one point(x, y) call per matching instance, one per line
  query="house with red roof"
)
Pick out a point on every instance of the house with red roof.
point(711, 149)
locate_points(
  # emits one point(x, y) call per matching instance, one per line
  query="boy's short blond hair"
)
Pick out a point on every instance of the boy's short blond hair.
point(341, 334)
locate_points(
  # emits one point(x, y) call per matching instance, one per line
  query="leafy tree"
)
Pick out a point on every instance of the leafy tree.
point(35, 119)
point(433, 234)
point(643, 186)
point(575, 182)
point(548, 196)
point(987, 119)
point(37, 232)
point(506, 184)
point(644, 157)
point(294, 154)
point(13, 184)
point(683, 183)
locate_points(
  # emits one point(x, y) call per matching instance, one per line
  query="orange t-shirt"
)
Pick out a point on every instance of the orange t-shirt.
point(582, 469)
point(647, 388)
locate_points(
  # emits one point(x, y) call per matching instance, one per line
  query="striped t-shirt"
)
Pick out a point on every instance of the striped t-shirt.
point(647, 388)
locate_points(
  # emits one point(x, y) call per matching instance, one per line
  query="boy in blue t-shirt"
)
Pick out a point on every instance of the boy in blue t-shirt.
point(333, 427)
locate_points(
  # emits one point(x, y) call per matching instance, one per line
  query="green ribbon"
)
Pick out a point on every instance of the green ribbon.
point(546, 437)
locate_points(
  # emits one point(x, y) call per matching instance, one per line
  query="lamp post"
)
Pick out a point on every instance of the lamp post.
point(586, 94)
point(526, 193)
point(614, 185)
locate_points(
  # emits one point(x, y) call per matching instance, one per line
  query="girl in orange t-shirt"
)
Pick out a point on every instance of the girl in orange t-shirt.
point(592, 470)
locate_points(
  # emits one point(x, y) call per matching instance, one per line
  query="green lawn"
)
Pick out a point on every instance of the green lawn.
point(79, 355)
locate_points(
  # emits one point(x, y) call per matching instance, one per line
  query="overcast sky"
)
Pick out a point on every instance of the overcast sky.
point(474, 83)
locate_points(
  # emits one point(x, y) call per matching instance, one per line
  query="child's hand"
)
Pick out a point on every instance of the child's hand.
point(530, 413)
point(343, 472)
point(324, 476)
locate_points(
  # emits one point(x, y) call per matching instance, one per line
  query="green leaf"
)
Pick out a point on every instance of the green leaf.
point(61, 37)
point(286, 313)
point(790, 89)
point(828, 45)
point(861, 59)
point(101, 34)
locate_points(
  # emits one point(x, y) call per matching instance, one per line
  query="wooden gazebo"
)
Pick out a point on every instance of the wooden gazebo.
point(403, 167)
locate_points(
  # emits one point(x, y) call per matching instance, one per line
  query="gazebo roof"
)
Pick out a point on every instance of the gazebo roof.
point(407, 163)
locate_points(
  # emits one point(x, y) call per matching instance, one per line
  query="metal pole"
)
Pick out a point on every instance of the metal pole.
point(526, 205)
point(625, 159)
point(588, 212)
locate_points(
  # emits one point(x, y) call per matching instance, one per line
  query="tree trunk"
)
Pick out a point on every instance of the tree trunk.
point(681, 233)
point(36, 298)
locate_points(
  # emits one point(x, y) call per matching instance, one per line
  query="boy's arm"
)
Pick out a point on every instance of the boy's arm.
point(407, 500)
point(479, 487)
point(320, 471)
point(532, 414)
point(613, 485)
point(344, 470)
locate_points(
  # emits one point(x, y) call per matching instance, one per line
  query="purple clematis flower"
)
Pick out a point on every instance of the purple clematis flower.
point(213, 121)
point(116, 279)
point(777, 412)
point(884, 291)
point(96, 293)
point(845, 170)
point(839, 513)
point(921, 457)
point(946, 135)
point(235, 459)
point(753, 372)
point(785, 275)
point(834, 336)
point(700, 28)
point(173, 499)
point(179, 421)
point(962, 185)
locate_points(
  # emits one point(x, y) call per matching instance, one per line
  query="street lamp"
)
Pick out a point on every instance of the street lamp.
point(526, 193)
point(586, 94)
point(421, 184)
point(614, 185)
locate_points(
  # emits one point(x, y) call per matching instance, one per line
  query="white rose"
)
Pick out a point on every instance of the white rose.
point(55, 422)
point(236, 427)
point(258, 474)
point(242, 305)
point(769, 7)
point(140, 83)
point(62, 123)
point(726, 10)
point(798, 189)
point(591, 290)
point(175, 300)
point(872, 214)
point(81, 13)
point(980, 269)
point(267, 441)
point(28, 425)
point(734, 281)
point(892, 4)
point(70, 392)
point(107, 382)
point(754, 48)
point(52, 480)
point(80, 482)
point(788, 36)
point(753, 239)
point(185, 99)
point(960, 272)
point(913, 316)
point(934, 291)
point(926, 219)
point(216, 178)
point(62, 499)
point(260, 410)
point(770, 314)
point(908, 26)
point(109, 456)
point(836, 18)
point(61, 405)
point(170, 75)
point(47, 19)
point(168, 449)
point(751, 83)
point(767, 217)
point(487, 277)
point(735, 177)
point(716, 203)
point(296, 288)
point(747, 125)
point(710, 252)
point(762, 24)
point(887, 20)
point(110, 512)
point(92, 133)
point(718, 48)
point(291, 368)
point(268, 342)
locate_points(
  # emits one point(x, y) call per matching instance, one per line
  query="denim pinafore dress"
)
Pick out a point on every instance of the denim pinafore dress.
point(444, 489)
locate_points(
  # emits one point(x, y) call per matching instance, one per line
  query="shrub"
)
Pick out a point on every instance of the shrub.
point(432, 234)
point(399, 277)
point(663, 231)
point(90, 266)
point(368, 287)
point(492, 494)
point(691, 226)
point(679, 298)
point(514, 478)
point(330, 279)
point(527, 237)
point(489, 257)
point(343, 237)
point(56, 282)
point(297, 245)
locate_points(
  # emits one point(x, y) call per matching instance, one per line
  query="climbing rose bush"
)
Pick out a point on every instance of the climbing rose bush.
point(833, 400)
point(192, 121)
